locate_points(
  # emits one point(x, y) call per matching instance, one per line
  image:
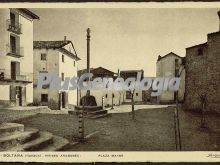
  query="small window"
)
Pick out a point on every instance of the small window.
point(200, 51)
point(136, 94)
point(44, 97)
point(45, 77)
point(74, 63)
point(176, 61)
point(62, 58)
point(113, 95)
point(106, 95)
point(62, 76)
point(43, 56)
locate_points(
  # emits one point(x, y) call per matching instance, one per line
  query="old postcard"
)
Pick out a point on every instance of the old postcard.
point(107, 82)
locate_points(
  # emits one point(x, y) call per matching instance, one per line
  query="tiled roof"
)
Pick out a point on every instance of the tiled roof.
point(97, 71)
point(69, 53)
point(50, 44)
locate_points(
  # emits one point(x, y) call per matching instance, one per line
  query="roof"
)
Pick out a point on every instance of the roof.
point(50, 44)
point(63, 50)
point(56, 45)
point(97, 71)
point(28, 12)
point(131, 71)
point(169, 54)
point(199, 45)
point(101, 70)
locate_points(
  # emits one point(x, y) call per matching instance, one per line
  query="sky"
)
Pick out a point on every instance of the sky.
point(127, 39)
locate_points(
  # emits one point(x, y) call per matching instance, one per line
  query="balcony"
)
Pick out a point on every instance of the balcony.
point(14, 51)
point(6, 75)
point(14, 26)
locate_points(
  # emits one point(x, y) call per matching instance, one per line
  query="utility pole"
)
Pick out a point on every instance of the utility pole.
point(88, 56)
point(176, 114)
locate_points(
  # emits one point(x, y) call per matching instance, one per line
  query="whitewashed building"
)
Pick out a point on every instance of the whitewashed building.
point(171, 65)
point(137, 94)
point(103, 97)
point(16, 56)
point(60, 58)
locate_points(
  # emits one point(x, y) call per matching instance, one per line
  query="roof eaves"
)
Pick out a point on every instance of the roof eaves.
point(28, 12)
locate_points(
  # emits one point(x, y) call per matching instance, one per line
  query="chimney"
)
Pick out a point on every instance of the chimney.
point(64, 38)
point(219, 18)
point(159, 57)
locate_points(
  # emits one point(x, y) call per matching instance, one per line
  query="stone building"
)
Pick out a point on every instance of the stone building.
point(203, 74)
point(16, 56)
point(60, 58)
point(171, 65)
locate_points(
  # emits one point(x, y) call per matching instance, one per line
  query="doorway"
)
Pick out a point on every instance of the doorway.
point(63, 101)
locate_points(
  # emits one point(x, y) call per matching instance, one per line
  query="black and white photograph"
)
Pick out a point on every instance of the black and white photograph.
point(110, 79)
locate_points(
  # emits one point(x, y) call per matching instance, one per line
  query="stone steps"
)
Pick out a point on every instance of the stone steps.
point(37, 144)
point(92, 112)
point(89, 108)
point(58, 144)
point(97, 112)
point(98, 116)
point(10, 127)
point(14, 137)
point(17, 138)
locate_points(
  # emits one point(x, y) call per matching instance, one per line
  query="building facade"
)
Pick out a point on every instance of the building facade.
point(203, 74)
point(171, 65)
point(60, 58)
point(16, 56)
point(127, 95)
point(103, 97)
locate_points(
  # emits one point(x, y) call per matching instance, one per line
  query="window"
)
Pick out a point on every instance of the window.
point(44, 97)
point(12, 18)
point(62, 76)
point(74, 63)
point(13, 44)
point(136, 94)
point(43, 56)
point(113, 95)
point(200, 51)
point(176, 61)
point(106, 95)
point(62, 58)
point(128, 95)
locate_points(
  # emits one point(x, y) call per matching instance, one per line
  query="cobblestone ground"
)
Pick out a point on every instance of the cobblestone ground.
point(194, 137)
point(12, 115)
point(153, 130)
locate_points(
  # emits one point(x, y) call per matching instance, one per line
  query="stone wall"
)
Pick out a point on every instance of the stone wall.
point(202, 74)
point(213, 73)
